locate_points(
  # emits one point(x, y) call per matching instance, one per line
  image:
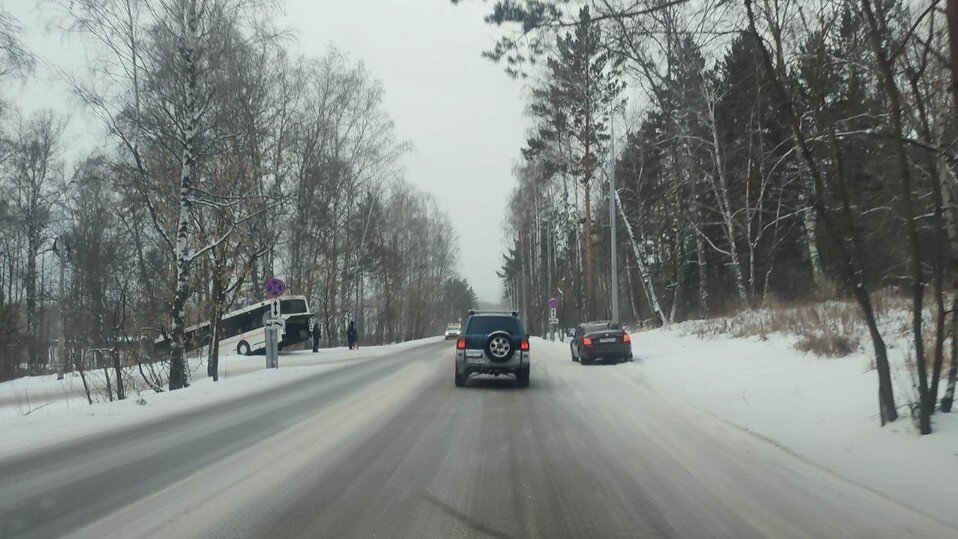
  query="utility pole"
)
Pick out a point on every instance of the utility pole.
point(61, 343)
point(551, 330)
point(613, 250)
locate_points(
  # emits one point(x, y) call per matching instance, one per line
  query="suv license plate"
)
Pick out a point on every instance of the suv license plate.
point(474, 353)
point(609, 340)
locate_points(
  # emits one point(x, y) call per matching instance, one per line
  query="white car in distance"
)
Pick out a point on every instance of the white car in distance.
point(452, 331)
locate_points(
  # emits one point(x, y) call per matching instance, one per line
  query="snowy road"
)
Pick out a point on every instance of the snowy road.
point(387, 446)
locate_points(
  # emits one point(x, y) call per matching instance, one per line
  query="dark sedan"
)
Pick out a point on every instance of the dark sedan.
point(600, 340)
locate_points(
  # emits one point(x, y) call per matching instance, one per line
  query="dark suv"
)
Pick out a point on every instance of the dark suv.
point(492, 343)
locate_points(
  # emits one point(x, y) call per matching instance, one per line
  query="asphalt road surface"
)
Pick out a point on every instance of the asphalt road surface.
point(388, 447)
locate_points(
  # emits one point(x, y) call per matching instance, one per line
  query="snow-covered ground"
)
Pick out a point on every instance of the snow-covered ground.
point(821, 409)
point(66, 414)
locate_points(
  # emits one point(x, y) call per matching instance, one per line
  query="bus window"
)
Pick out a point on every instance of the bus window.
point(293, 306)
point(230, 328)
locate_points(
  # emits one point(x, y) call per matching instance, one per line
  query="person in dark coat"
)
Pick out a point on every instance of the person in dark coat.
point(316, 335)
point(351, 336)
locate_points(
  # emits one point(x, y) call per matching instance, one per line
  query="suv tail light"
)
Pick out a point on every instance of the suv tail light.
point(586, 341)
point(626, 338)
point(461, 343)
point(524, 345)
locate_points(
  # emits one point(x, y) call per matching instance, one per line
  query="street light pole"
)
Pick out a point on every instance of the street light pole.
point(62, 341)
point(613, 246)
point(551, 329)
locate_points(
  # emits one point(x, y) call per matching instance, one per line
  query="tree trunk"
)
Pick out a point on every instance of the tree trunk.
point(702, 262)
point(118, 368)
point(951, 226)
point(951, 10)
point(78, 365)
point(721, 194)
point(926, 402)
point(218, 297)
point(179, 371)
point(942, 251)
point(638, 252)
point(32, 318)
point(589, 262)
point(106, 376)
point(636, 315)
point(680, 279)
point(948, 400)
point(814, 259)
point(951, 13)
point(850, 260)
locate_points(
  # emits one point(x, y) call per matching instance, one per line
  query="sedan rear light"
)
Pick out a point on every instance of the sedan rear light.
point(524, 345)
point(586, 341)
point(461, 343)
point(626, 338)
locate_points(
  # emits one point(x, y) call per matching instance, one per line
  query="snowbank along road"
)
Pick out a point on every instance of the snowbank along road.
point(386, 446)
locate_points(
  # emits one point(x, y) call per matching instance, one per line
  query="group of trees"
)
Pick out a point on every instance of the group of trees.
point(224, 159)
point(772, 148)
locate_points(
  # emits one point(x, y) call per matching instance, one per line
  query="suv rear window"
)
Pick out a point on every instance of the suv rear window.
point(484, 325)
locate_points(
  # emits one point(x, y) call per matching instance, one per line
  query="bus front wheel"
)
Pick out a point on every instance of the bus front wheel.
point(243, 348)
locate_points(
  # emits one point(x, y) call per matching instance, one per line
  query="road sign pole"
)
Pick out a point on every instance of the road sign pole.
point(272, 349)
point(269, 347)
point(273, 320)
point(272, 324)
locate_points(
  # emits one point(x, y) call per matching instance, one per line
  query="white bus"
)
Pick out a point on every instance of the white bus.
point(241, 331)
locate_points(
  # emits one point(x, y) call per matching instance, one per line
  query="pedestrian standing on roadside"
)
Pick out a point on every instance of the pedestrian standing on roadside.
point(351, 337)
point(316, 335)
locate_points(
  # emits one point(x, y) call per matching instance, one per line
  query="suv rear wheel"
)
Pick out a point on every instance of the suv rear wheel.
point(460, 379)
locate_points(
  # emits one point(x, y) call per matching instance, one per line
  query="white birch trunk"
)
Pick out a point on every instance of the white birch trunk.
point(721, 190)
point(644, 274)
point(703, 276)
point(179, 371)
point(810, 224)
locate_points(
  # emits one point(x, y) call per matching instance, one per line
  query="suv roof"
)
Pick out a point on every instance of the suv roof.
point(494, 313)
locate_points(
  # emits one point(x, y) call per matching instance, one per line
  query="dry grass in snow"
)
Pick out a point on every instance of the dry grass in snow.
point(832, 328)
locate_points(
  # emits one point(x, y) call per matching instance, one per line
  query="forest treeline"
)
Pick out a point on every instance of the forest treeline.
point(769, 149)
point(223, 158)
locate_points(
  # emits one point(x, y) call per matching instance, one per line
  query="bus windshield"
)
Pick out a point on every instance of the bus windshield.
point(293, 306)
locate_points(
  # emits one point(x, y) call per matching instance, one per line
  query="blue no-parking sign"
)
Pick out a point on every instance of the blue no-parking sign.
point(275, 287)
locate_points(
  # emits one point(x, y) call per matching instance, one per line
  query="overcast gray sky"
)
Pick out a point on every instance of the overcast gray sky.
point(462, 114)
